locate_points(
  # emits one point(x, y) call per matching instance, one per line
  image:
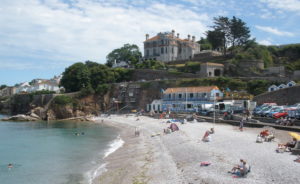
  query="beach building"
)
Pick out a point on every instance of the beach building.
point(167, 47)
point(272, 88)
point(155, 106)
point(189, 99)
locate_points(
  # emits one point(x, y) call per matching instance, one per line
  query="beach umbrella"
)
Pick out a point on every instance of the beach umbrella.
point(295, 135)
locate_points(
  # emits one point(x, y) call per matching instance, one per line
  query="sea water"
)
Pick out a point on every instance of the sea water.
point(54, 152)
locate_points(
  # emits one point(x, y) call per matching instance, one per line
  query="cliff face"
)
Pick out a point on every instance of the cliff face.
point(47, 108)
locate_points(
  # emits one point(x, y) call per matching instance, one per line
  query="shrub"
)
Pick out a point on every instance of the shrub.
point(63, 100)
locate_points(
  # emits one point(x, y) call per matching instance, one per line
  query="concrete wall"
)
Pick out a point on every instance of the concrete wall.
point(285, 96)
point(148, 74)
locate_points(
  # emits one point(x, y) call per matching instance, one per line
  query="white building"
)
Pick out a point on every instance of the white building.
point(168, 47)
point(121, 64)
point(282, 86)
point(155, 106)
point(272, 88)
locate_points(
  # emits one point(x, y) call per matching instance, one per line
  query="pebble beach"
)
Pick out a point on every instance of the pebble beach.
point(158, 158)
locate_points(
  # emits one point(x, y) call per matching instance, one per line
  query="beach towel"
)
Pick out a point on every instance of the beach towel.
point(205, 163)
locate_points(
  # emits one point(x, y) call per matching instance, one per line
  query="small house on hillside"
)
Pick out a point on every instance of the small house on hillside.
point(281, 86)
point(291, 84)
point(211, 70)
point(189, 99)
point(272, 88)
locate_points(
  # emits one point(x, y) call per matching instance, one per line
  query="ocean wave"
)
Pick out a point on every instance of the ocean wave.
point(113, 146)
point(116, 144)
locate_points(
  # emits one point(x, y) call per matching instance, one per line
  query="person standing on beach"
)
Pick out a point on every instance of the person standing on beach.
point(242, 124)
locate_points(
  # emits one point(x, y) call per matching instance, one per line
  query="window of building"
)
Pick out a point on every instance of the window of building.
point(204, 95)
point(189, 106)
point(154, 51)
point(172, 50)
point(169, 96)
point(166, 49)
point(180, 96)
point(191, 95)
point(217, 94)
point(154, 107)
point(162, 50)
point(147, 52)
point(158, 107)
point(162, 42)
point(154, 44)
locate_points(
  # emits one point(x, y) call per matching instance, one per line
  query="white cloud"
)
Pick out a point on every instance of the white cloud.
point(274, 31)
point(265, 42)
point(87, 29)
point(288, 5)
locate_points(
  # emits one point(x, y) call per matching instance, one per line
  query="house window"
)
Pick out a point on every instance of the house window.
point(166, 50)
point(147, 52)
point(180, 96)
point(217, 94)
point(154, 107)
point(158, 107)
point(162, 42)
point(162, 50)
point(189, 106)
point(204, 95)
point(191, 95)
point(169, 96)
point(172, 50)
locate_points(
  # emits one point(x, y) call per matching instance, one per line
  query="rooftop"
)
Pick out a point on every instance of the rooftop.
point(191, 89)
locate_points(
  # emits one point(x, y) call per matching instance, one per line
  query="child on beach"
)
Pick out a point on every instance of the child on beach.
point(206, 137)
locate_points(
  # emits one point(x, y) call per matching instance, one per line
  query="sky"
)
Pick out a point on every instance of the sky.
point(40, 38)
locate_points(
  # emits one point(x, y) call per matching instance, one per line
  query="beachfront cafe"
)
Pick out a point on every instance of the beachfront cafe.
point(190, 99)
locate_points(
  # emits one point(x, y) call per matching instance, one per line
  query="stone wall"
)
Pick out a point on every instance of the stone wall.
point(284, 96)
point(147, 74)
point(296, 75)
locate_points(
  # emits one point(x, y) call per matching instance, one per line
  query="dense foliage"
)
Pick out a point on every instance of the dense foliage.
point(86, 77)
point(151, 64)
point(63, 100)
point(228, 32)
point(3, 86)
point(128, 53)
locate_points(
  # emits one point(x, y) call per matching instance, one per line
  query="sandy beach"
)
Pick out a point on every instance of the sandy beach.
point(175, 158)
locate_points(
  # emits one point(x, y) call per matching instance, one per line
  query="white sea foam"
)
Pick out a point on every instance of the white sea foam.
point(113, 146)
point(116, 144)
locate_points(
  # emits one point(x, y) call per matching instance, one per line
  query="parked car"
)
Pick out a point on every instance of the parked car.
point(281, 114)
point(298, 114)
point(273, 111)
point(261, 112)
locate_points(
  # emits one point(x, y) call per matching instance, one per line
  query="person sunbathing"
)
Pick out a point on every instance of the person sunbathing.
point(291, 144)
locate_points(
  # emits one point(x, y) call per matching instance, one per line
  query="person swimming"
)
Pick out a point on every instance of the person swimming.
point(10, 165)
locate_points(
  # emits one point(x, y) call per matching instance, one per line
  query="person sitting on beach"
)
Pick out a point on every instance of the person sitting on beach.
point(241, 169)
point(291, 144)
point(206, 137)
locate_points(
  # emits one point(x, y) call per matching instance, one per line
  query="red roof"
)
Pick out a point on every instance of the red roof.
point(198, 89)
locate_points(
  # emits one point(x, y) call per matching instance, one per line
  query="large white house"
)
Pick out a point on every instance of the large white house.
point(168, 47)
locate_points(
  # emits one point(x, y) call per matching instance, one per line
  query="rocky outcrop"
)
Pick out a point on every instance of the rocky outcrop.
point(22, 117)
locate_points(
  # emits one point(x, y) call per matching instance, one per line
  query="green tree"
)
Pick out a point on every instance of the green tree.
point(239, 32)
point(75, 77)
point(228, 32)
point(128, 53)
point(216, 38)
point(205, 44)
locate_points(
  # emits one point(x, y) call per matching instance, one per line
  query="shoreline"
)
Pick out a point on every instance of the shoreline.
point(174, 158)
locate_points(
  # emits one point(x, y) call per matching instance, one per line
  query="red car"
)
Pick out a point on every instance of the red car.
point(281, 114)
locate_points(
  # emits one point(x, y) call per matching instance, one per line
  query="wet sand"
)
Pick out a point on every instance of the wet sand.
point(175, 158)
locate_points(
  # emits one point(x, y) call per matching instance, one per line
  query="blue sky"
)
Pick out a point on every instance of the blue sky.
point(40, 38)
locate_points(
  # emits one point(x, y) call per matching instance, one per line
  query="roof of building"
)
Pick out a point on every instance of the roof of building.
point(213, 64)
point(157, 37)
point(196, 89)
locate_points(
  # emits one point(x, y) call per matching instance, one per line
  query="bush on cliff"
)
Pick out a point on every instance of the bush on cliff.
point(63, 100)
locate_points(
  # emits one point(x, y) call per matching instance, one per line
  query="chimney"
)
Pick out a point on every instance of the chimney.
point(177, 35)
point(173, 33)
point(189, 37)
point(193, 38)
point(147, 36)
